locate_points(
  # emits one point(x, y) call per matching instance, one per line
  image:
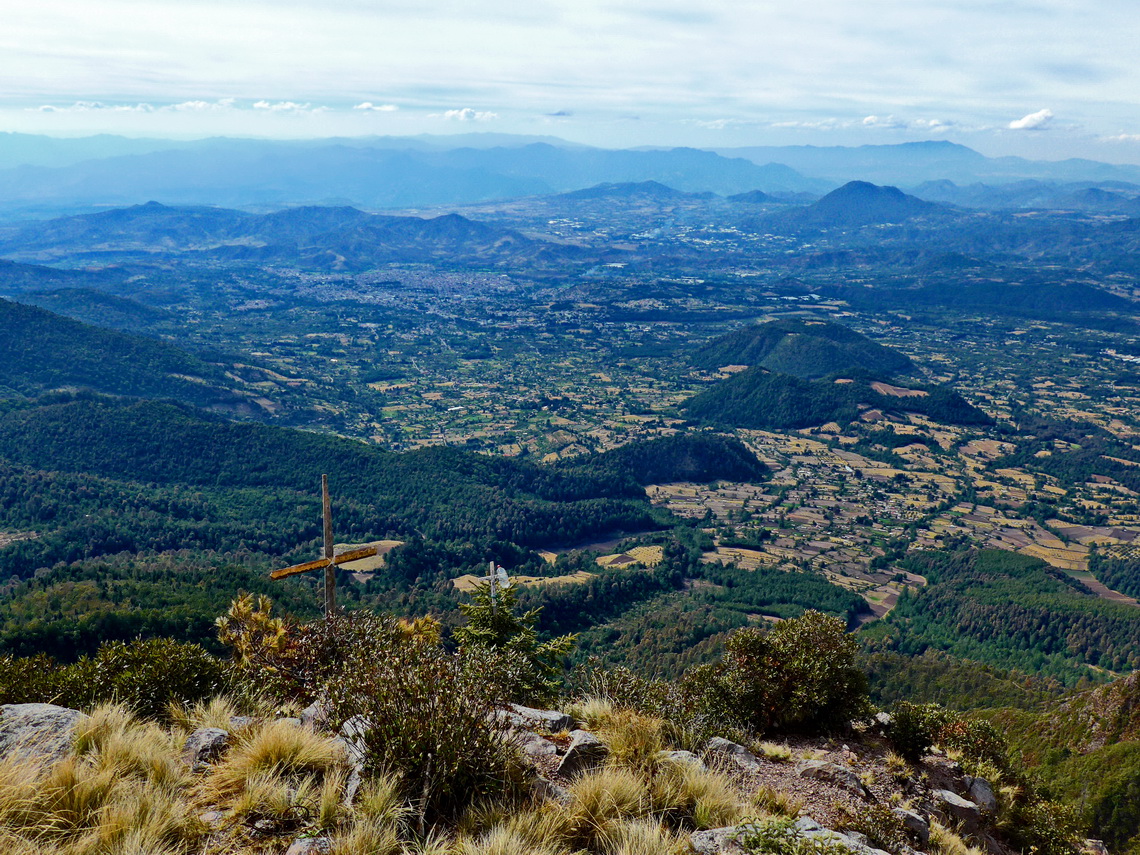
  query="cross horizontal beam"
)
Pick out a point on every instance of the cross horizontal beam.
point(317, 564)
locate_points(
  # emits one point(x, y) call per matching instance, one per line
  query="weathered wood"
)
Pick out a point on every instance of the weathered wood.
point(318, 563)
point(330, 569)
point(330, 560)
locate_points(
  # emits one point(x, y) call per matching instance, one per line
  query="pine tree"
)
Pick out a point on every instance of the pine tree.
point(496, 627)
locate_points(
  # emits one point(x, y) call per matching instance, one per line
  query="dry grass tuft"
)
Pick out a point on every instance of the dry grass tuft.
point(634, 740)
point(641, 837)
point(122, 793)
point(217, 712)
point(777, 802)
point(944, 841)
point(113, 739)
point(503, 840)
point(714, 798)
point(279, 749)
point(773, 752)
point(367, 837)
point(593, 711)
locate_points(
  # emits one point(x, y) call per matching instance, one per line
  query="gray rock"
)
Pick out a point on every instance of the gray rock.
point(212, 818)
point(732, 753)
point(682, 758)
point(39, 731)
point(535, 746)
point(723, 841)
point(315, 716)
point(352, 784)
point(957, 809)
point(834, 774)
point(543, 789)
point(203, 747)
point(717, 841)
point(884, 719)
point(237, 722)
point(1092, 846)
point(981, 793)
point(519, 717)
point(310, 846)
point(810, 828)
point(915, 824)
point(352, 737)
point(586, 752)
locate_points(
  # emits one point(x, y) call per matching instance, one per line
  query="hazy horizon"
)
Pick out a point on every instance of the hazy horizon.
point(1048, 79)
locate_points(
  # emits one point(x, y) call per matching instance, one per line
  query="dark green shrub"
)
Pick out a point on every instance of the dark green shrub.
point(781, 836)
point(428, 717)
point(799, 675)
point(688, 724)
point(884, 829)
point(146, 675)
point(915, 728)
point(1044, 827)
point(29, 679)
point(978, 741)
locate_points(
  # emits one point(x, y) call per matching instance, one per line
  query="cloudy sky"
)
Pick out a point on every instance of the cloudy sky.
point(1042, 78)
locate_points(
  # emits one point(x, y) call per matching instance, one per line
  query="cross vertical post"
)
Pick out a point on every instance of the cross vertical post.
point(330, 568)
point(329, 560)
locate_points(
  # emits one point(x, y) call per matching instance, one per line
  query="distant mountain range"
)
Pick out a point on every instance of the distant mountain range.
point(341, 238)
point(43, 176)
point(1106, 198)
point(254, 173)
point(910, 164)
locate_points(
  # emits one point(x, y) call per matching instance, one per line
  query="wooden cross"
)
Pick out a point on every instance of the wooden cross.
point(330, 560)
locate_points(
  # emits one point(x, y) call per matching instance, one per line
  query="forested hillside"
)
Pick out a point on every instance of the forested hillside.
point(41, 351)
point(759, 398)
point(1012, 611)
point(808, 349)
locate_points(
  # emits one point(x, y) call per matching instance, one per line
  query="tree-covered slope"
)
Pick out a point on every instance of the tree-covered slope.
point(808, 349)
point(1012, 611)
point(762, 399)
point(93, 476)
point(40, 351)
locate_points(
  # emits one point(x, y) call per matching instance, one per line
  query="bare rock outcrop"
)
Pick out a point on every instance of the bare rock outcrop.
point(37, 731)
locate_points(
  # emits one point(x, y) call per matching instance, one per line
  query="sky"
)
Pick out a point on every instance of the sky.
point(1046, 79)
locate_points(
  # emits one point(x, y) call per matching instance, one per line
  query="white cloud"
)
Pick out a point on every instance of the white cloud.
point(201, 106)
point(1125, 138)
point(892, 123)
point(815, 125)
point(91, 106)
point(882, 122)
point(469, 115)
point(287, 107)
point(1033, 122)
point(369, 107)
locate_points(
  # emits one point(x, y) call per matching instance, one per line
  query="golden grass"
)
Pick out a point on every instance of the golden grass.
point(777, 802)
point(634, 740)
point(594, 711)
point(944, 841)
point(641, 837)
point(773, 752)
point(502, 840)
point(217, 712)
point(277, 748)
point(122, 793)
point(367, 838)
